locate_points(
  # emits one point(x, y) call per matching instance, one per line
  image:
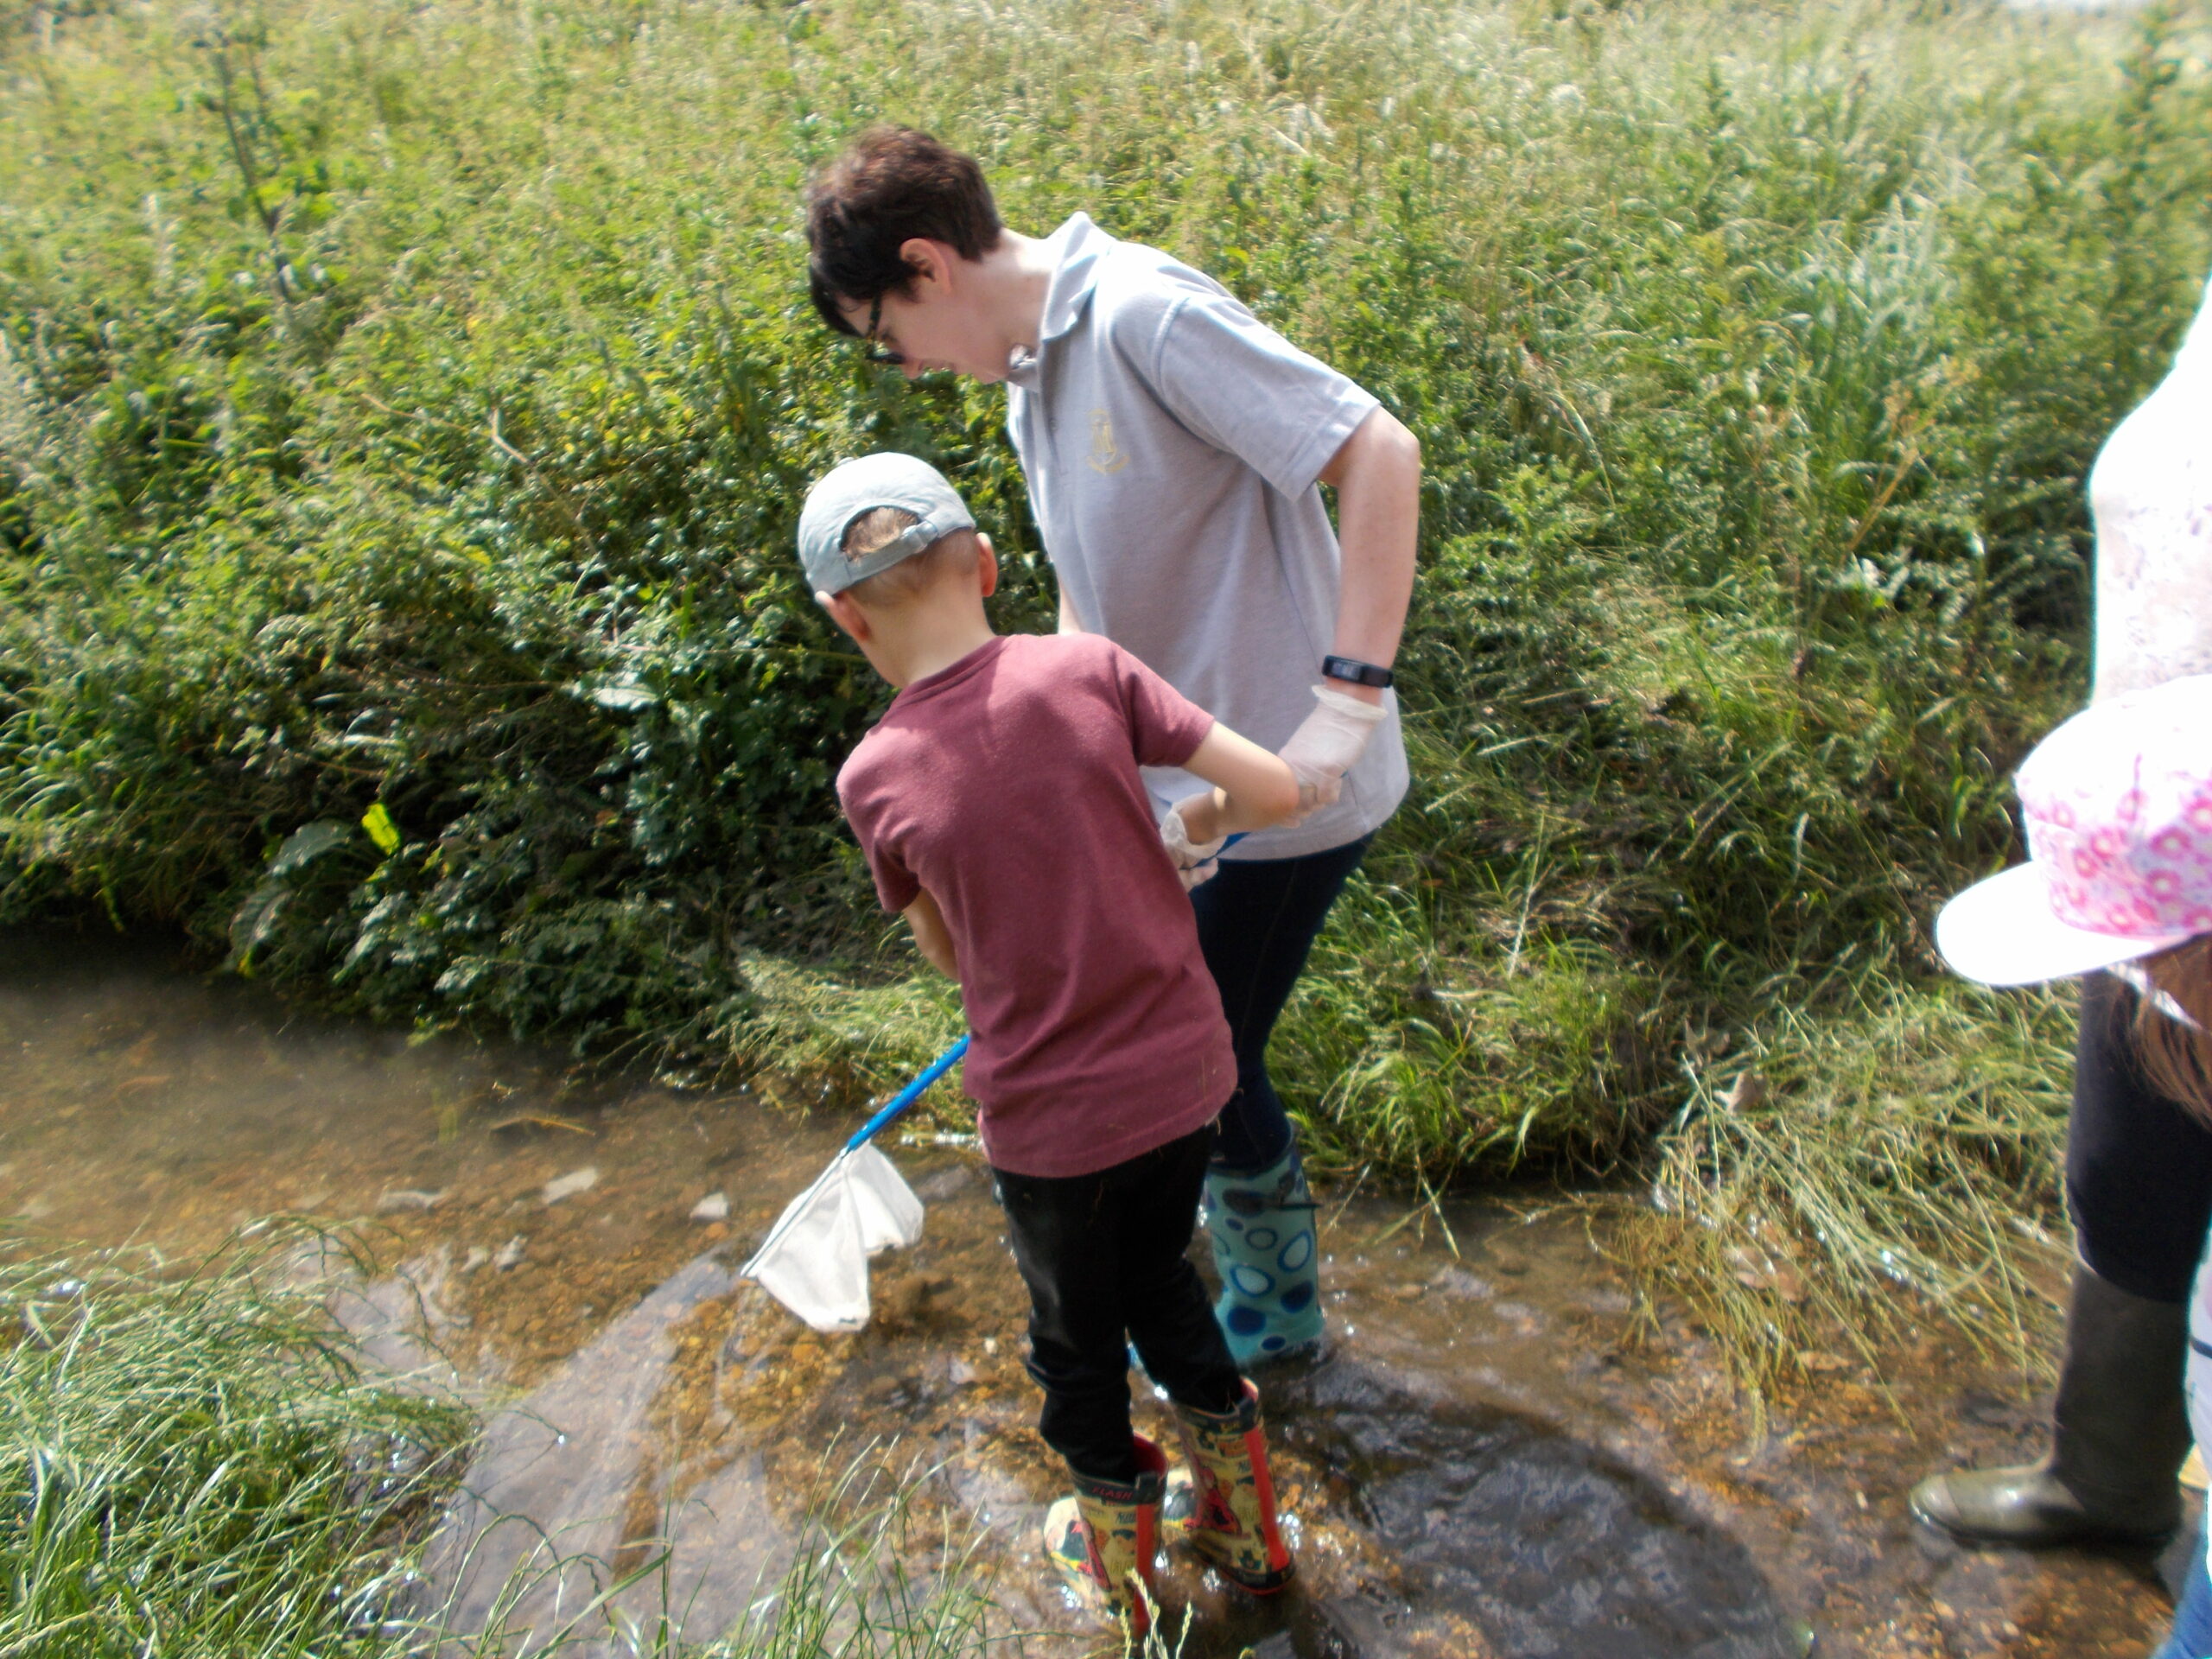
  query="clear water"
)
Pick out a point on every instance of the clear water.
point(1499, 1458)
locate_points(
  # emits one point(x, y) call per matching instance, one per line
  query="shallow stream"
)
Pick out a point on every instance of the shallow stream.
point(1498, 1458)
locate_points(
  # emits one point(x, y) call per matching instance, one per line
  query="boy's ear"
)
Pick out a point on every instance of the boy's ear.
point(987, 565)
point(847, 615)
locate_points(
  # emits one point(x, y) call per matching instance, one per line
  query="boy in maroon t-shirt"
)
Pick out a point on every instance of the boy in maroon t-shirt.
point(1000, 805)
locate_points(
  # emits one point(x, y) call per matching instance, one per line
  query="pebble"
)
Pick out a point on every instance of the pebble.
point(477, 1257)
point(943, 1185)
point(961, 1373)
point(408, 1197)
point(510, 1253)
point(1458, 1281)
point(713, 1207)
point(567, 1186)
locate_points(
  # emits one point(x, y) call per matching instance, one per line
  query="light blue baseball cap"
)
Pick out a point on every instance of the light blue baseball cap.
point(845, 492)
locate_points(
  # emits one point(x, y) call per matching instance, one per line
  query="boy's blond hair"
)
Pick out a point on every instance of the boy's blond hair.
point(910, 578)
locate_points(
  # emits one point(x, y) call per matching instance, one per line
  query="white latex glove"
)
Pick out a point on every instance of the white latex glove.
point(1195, 861)
point(1325, 745)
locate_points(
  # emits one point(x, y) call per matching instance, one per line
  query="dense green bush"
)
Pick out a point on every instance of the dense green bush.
point(404, 410)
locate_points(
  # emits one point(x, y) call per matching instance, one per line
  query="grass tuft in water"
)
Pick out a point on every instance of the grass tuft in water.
point(866, 1579)
point(1830, 1180)
point(870, 1582)
point(198, 1462)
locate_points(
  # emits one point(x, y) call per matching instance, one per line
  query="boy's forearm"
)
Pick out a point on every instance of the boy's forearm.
point(1252, 789)
point(1376, 475)
point(1229, 816)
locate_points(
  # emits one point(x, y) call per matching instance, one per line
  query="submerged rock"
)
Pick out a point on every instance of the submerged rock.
point(567, 1186)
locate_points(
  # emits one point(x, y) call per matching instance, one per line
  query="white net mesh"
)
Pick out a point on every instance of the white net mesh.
point(815, 1260)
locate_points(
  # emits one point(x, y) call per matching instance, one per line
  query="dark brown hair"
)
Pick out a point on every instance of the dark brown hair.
point(890, 185)
point(2176, 1057)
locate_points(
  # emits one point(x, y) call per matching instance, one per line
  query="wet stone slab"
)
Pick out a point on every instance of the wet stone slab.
point(1499, 1458)
point(1539, 1540)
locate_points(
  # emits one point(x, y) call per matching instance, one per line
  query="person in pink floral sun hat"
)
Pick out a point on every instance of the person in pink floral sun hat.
point(2118, 806)
point(2139, 1163)
point(2117, 803)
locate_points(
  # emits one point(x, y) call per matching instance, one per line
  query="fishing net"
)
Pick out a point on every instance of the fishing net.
point(814, 1258)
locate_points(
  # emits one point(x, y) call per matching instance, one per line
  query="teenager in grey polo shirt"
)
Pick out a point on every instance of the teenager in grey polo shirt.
point(1173, 445)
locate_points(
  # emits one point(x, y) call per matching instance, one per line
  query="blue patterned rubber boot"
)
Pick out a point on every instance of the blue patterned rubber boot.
point(1264, 1249)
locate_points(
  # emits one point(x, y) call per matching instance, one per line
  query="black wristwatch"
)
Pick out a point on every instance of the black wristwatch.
point(1359, 673)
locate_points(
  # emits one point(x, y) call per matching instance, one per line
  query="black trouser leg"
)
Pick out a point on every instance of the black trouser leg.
point(1165, 1305)
point(1257, 921)
point(2138, 1168)
point(1103, 1255)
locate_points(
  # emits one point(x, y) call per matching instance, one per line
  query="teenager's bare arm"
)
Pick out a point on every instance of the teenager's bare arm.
point(1376, 476)
point(931, 936)
point(1252, 788)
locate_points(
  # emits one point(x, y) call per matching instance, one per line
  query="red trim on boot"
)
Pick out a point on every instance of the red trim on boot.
point(1263, 1478)
point(1152, 1479)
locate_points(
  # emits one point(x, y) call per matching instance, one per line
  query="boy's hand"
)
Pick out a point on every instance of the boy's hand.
point(1195, 861)
point(1326, 745)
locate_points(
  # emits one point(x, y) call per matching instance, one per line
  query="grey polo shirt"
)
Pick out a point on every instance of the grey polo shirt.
point(1171, 442)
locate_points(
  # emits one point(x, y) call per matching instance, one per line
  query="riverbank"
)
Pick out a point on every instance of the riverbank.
point(403, 416)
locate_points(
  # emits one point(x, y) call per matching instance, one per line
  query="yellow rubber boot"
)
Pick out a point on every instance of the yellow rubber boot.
point(1103, 1538)
point(1228, 1514)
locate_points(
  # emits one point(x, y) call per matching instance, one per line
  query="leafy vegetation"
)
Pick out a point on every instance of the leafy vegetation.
point(404, 412)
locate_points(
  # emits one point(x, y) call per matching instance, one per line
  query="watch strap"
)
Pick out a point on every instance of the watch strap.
point(1358, 673)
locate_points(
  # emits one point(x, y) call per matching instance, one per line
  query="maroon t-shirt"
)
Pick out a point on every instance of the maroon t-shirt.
point(1006, 786)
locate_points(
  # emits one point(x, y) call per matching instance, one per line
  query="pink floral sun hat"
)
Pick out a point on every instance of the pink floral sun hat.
point(2118, 806)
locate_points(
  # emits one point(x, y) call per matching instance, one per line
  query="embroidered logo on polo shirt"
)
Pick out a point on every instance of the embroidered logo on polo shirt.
point(1106, 455)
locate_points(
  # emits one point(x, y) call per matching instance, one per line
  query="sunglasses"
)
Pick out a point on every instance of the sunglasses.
point(878, 354)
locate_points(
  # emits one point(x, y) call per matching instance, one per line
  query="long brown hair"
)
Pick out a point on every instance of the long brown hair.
point(2175, 1057)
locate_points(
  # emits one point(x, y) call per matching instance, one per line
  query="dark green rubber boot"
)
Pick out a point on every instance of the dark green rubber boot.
point(2119, 1431)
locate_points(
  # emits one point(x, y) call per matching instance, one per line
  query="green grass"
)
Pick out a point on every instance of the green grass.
point(201, 1464)
point(1830, 1179)
point(403, 415)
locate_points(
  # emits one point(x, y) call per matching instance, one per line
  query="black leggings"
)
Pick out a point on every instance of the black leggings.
point(1104, 1258)
point(1257, 920)
point(2138, 1168)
